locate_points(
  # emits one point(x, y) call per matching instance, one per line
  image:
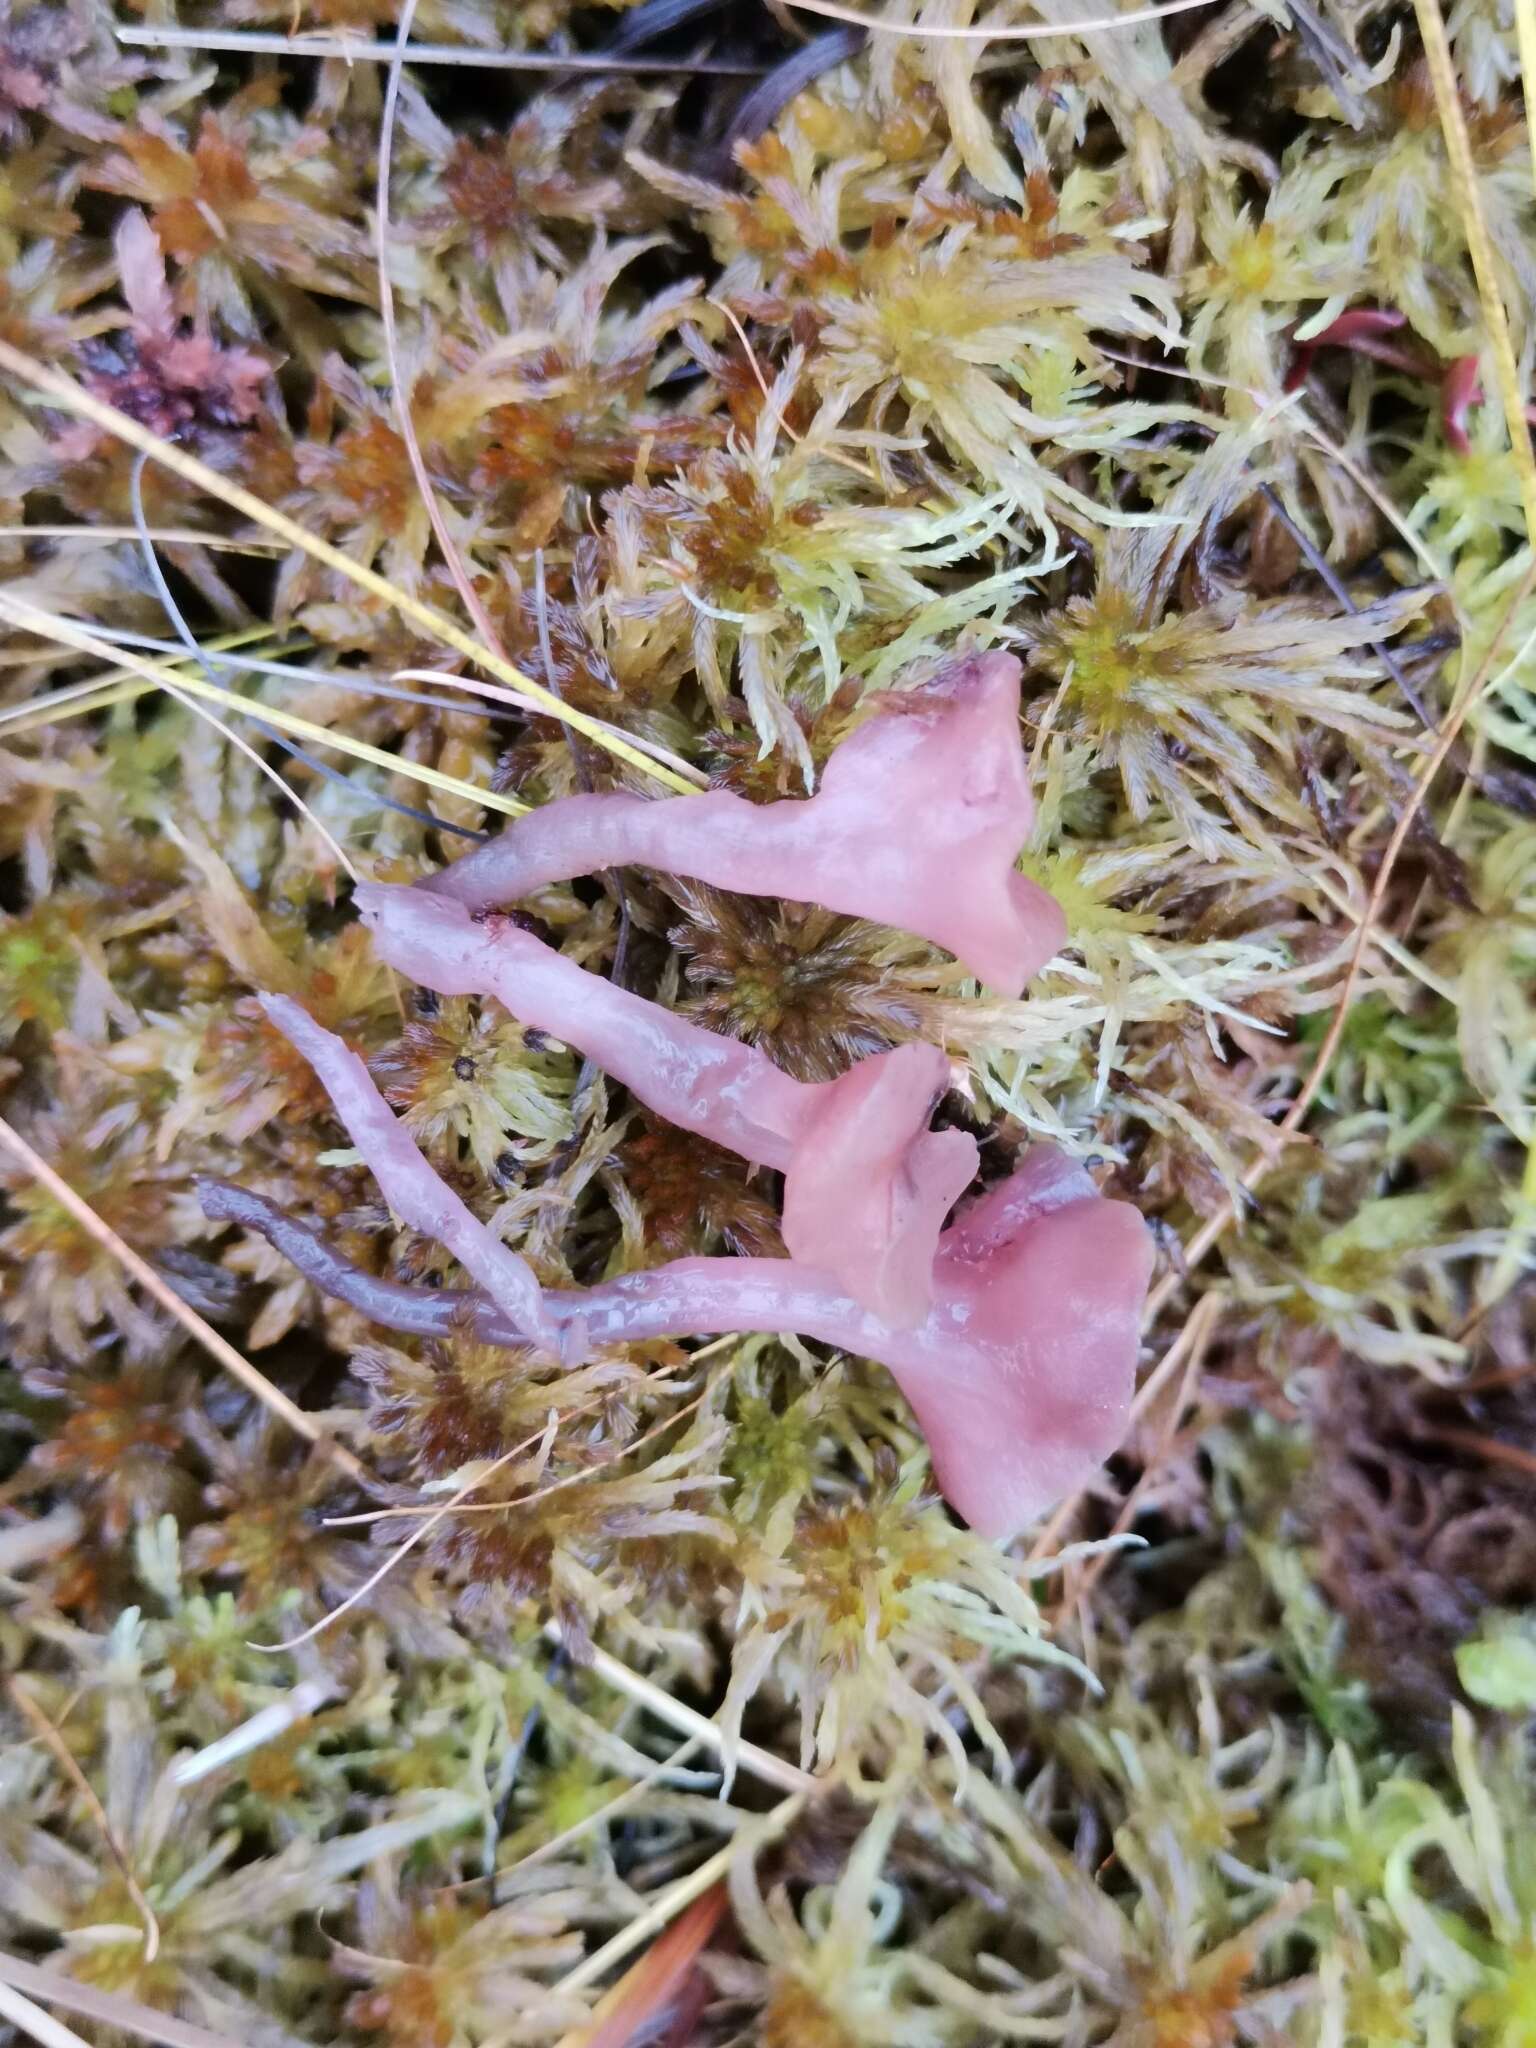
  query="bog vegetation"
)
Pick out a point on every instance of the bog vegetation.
point(391, 447)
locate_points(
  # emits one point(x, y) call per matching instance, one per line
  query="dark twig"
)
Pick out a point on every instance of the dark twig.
point(762, 106)
point(1504, 789)
point(363, 51)
point(295, 752)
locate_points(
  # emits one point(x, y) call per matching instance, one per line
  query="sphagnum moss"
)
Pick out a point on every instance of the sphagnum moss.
point(977, 343)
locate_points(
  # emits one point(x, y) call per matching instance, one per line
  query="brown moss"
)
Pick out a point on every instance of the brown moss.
point(1420, 1521)
point(691, 1195)
point(794, 2017)
point(808, 986)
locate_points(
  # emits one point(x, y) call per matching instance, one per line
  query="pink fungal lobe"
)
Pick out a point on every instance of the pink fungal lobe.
point(1020, 1374)
point(918, 823)
point(870, 1184)
point(866, 1183)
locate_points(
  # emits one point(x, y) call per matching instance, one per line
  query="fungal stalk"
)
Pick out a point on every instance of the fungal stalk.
point(918, 823)
point(1020, 1375)
point(867, 1185)
point(409, 1182)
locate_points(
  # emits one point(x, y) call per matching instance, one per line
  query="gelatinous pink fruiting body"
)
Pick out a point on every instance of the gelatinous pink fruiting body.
point(1042, 1282)
point(871, 1185)
point(867, 1185)
point(1020, 1375)
point(1013, 1333)
point(918, 823)
point(410, 1182)
point(1366, 331)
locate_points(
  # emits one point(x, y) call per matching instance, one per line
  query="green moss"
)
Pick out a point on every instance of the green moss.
point(976, 344)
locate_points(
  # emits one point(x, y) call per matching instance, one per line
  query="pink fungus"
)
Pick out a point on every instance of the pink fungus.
point(918, 823)
point(1013, 1333)
point(1460, 389)
point(867, 1184)
point(870, 1185)
point(1366, 331)
point(409, 1181)
point(1020, 1375)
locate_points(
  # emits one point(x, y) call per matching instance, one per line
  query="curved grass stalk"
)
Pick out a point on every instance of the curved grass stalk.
point(159, 675)
point(982, 32)
point(115, 687)
point(64, 391)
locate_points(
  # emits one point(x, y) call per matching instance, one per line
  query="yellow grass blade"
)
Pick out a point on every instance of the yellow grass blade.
point(160, 675)
point(64, 391)
point(138, 1269)
point(72, 703)
point(116, 687)
point(1458, 149)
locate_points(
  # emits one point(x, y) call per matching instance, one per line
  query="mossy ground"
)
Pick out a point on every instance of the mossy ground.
point(732, 413)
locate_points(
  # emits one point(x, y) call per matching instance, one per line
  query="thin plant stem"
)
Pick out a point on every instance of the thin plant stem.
point(528, 1500)
point(32, 2020)
point(983, 32)
point(402, 1550)
point(110, 2008)
point(50, 626)
point(761, 1763)
point(217, 1347)
point(266, 42)
point(57, 701)
point(194, 653)
point(677, 1896)
point(610, 1810)
point(63, 1756)
point(64, 391)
